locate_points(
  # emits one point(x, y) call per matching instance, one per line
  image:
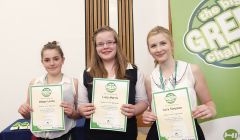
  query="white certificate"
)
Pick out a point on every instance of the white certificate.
point(174, 116)
point(47, 114)
point(108, 96)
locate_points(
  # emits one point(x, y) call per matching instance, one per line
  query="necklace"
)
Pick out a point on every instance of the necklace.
point(175, 77)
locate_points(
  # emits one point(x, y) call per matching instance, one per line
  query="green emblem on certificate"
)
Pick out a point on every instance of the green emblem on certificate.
point(111, 87)
point(46, 92)
point(108, 96)
point(170, 98)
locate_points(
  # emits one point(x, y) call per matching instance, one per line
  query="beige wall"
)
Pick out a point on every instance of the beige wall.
point(26, 25)
point(147, 14)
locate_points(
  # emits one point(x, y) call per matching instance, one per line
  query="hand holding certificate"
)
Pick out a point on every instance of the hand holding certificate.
point(108, 97)
point(174, 119)
point(47, 114)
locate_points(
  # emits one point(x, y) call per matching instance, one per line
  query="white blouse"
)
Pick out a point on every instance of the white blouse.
point(68, 96)
point(184, 78)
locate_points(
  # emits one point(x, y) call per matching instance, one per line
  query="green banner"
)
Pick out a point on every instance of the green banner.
point(207, 33)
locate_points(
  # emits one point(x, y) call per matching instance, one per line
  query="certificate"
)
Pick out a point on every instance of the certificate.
point(108, 96)
point(47, 114)
point(174, 116)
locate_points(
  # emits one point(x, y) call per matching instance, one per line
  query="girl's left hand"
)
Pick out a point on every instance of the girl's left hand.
point(68, 108)
point(202, 112)
point(128, 110)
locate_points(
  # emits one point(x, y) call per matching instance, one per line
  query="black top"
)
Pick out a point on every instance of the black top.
point(131, 131)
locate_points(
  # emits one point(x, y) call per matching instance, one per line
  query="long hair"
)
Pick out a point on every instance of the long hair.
point(160, 30)
point(97, 68)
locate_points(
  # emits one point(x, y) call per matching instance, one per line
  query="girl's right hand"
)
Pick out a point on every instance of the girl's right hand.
point(86, 110)
point(25, 110)
point(149, 117)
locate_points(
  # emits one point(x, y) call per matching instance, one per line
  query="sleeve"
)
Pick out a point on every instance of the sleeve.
point(141, 93)
point(82, 92)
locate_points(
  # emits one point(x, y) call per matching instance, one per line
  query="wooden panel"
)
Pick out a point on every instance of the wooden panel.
point(120, 33)
point(124, 45)
point(128, 49)
point(95, 7)
point(131, 31)
point(103, 14)
point(106, 12)
point(87, 28)
point(97, 15)
point(125, 27)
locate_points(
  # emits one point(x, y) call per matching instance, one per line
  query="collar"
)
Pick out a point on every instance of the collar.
point(65, 79)
point(181, 70)
point(129, 66)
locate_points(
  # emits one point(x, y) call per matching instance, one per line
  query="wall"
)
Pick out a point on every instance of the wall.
point(26, 25)
point(147, 15)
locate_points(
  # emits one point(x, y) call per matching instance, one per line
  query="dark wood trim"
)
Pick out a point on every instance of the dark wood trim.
point(97, 15)
point(125, 27)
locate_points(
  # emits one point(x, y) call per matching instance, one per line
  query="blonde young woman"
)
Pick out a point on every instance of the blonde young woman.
point(171, 74)
point(52, 58)
point(108, 61)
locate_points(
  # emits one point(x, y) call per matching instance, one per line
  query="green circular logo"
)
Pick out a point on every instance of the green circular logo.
point(111, 87)
point(170, 98)
point(214, 33)
point(46, 92)
point(230, 134)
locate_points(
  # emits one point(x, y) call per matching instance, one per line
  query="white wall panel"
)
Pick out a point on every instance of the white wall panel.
point(25, 26)
point(147, 14)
